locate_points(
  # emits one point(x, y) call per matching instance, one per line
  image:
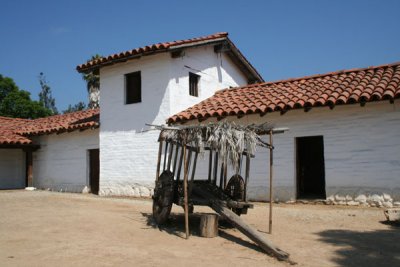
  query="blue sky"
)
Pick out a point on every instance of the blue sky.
point(282, 39)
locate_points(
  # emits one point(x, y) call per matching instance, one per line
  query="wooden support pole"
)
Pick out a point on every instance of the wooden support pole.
point(175, 158)
point(271, 172)
point(178, 176)
point(247, 174)
point(193, 173)
point(165, 155)
point(171, 151)
point(29, 168)
point(159, 159)
point(225, 173)
point(215, 168)
point(210, 166)
point(185, 192)
point(221, 175)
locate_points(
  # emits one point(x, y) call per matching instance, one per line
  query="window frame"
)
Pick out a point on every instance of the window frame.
point(126, 89)
point(194, 91)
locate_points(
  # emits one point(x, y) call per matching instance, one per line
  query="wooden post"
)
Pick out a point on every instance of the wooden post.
point(246, 181)
point(159, 159)
point(175, 158)
point(209, 225)
point(215, 168)
point(210, 166)
point(29, 168)
point(185, 191)
point(271, 172)
point(171, 151)
point(165, 155)
point(193, 173)
point(178, 175)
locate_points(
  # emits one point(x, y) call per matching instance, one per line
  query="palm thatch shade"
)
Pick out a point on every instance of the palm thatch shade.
point(229, 139)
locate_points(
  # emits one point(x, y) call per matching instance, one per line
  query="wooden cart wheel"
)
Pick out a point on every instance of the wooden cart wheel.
point(163, 197)
point(235, 189)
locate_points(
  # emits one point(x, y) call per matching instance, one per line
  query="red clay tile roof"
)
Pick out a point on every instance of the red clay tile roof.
point(335, 88)
point(16, 131)
point(221, 37)
point(8, 126)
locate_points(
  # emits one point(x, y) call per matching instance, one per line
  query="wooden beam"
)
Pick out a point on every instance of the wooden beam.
point(221, 48)
point(271, 172)
point(23, 147)
point(185, 192)
point(178, 53)
point(218, 206)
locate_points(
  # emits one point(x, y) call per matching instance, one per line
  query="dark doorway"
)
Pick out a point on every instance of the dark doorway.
point(94, 170)
point(310, 167)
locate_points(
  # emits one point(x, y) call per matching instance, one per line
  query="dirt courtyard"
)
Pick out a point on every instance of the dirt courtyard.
point(59, 229)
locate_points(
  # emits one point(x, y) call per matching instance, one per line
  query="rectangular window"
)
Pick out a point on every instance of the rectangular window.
point(194, 84)
point(133, 88)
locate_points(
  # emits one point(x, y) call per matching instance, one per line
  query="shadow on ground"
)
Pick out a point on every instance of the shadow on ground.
point(176, 226)
point(372, 248)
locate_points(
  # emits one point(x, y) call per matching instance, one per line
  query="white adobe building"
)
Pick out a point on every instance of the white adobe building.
point(351, 126)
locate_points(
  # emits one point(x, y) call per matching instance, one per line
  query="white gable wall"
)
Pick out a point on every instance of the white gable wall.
point(216, 72)
point(361, 150)
point(61, 163)
point(128, 156)
point(12, 166)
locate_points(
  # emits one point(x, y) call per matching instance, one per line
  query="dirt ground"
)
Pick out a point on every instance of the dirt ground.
point(46, 229)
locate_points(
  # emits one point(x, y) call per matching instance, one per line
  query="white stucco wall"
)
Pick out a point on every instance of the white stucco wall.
point(361, 149)
point(12, 168)
point(61, 163)
point(128, 156)
point(216, 72)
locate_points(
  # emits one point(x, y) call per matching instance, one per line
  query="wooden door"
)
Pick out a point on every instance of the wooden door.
point(94, 170)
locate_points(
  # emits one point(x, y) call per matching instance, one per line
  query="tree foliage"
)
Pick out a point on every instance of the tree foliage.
point(45, 95)
point(73, 108)
point(17, 103)
point(93, 84)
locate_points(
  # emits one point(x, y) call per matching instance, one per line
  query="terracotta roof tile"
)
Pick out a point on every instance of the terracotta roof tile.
point(334, 88)
point(150, 49)
point(15, 131)
point(217, 38)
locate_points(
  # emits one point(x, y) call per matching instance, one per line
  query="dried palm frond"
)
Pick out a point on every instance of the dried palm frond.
point(230, 140)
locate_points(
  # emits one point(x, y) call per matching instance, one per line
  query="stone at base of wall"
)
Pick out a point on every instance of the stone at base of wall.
point(71, 188)
point(123, 188)
point(374, 200)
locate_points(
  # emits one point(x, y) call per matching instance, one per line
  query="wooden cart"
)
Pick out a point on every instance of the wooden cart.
point(176, 181)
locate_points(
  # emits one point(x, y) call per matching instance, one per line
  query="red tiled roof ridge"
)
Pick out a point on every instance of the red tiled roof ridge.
point(70, 114)
point(11, 118)
point(149, 48)
point(350, 86)
point(15, 131)
point(308, 77)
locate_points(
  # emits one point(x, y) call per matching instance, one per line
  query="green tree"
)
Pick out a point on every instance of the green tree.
point(17, 103)
point(7, 85)
point(77, 107)
point(93, 84)
point(45, 95)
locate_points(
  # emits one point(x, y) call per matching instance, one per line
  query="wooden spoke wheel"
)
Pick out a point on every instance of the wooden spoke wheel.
point(235, 189)
point(163, 197)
